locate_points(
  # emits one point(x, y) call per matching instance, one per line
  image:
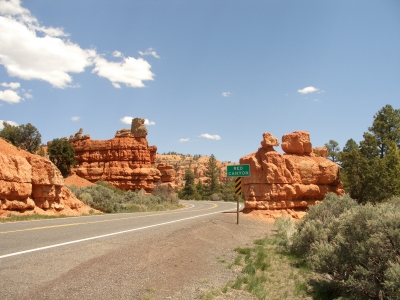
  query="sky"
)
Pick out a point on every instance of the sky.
point(209, 77)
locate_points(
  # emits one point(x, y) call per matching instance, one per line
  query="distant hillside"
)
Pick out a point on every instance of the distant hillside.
point(196, 163)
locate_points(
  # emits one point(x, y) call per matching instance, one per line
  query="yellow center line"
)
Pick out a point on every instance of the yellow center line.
point(101, 221)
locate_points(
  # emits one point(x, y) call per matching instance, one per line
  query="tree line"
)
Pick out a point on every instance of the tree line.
point(211, 189)
point(370, 170)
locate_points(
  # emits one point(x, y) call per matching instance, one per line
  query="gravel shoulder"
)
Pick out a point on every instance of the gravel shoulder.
point(182, 261)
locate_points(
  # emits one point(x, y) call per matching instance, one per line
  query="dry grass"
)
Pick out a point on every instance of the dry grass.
point(267, 272)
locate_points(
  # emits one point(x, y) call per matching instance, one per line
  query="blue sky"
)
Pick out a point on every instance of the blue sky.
point(209, 76)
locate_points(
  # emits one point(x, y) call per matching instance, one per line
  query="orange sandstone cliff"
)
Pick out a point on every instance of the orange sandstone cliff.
point(294, 180)
point(125, 161)
point(30, 183)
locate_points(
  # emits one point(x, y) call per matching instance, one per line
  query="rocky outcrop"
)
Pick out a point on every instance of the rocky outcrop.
point(125, 161)
point(296, 179)
point(168, 174)
point(31, 183)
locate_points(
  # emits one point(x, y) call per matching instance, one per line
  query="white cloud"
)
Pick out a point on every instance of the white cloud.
point(75, 118)
point(10, 96)
point(132, 72)
point(149, 51)
point(11, 85)
point(183, 140)
point(210, 136)
point(116, 85)
point(31, 51)
point(26, 55)
point(148, 122)
point(117, 54)
point(28, 96)
point(307, 90)
point(226, 94)
point(12, 7)
point(126, 120)
point(8, 122)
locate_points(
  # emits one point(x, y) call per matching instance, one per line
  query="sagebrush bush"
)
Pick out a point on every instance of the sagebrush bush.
point(357, 245)
point(110, 199)
point(314, 226)
point(286, 228)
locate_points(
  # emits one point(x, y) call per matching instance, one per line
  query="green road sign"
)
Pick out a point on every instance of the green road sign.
point(238, 171)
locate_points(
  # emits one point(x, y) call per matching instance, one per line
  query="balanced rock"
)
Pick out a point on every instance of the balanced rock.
point(293, 180)
point(297, 142)
point(124, 161)
point(32, 184)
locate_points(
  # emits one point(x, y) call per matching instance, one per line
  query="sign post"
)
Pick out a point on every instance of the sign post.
point(238, 171)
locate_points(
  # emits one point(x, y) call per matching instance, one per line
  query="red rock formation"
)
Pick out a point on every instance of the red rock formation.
point(320, 151)
point(297, 142)
point(168, 175)
point(295, 180)
point(124, 161)
point(31, 183)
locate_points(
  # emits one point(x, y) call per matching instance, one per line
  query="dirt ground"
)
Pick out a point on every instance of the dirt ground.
point(77, 181)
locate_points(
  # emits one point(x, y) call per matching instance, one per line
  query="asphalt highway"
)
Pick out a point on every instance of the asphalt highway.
point(68, 257)
point(21, 238)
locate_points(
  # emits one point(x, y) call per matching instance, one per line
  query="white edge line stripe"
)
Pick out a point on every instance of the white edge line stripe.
point(102, 236)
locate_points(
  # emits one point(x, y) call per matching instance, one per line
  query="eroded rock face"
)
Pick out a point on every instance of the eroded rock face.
point(29, 182)
point(293, 180)
point(124, 161)
point(168, 175)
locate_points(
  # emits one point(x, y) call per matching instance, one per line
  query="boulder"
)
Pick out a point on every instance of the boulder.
point(288, 181)
point(297, 142)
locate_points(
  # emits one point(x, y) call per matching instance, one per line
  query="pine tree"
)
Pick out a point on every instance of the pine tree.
point(189, 190)
point(371, 171)
point(333, 150)
point(212, 174)
point(386, 128)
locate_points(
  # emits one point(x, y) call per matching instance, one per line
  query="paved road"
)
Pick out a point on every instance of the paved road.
point(60, 258)
point(21, 238)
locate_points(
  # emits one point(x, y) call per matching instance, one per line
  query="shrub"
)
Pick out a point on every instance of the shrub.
point(357, 245)
point(110, 199)
point(314, 226)
point(286, 229)
point(215, 197)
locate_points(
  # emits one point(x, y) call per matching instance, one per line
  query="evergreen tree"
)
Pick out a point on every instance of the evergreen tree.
point(333, 150)
point(212, 174)
point(371, 171)
point(386, 128)
point(26, 137)
point(189, 190)
point(350, 145)
point(200, 190)
point(61, 153)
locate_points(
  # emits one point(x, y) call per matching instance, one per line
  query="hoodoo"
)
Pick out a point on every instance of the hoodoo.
point(294, 180)
point(125, 161)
